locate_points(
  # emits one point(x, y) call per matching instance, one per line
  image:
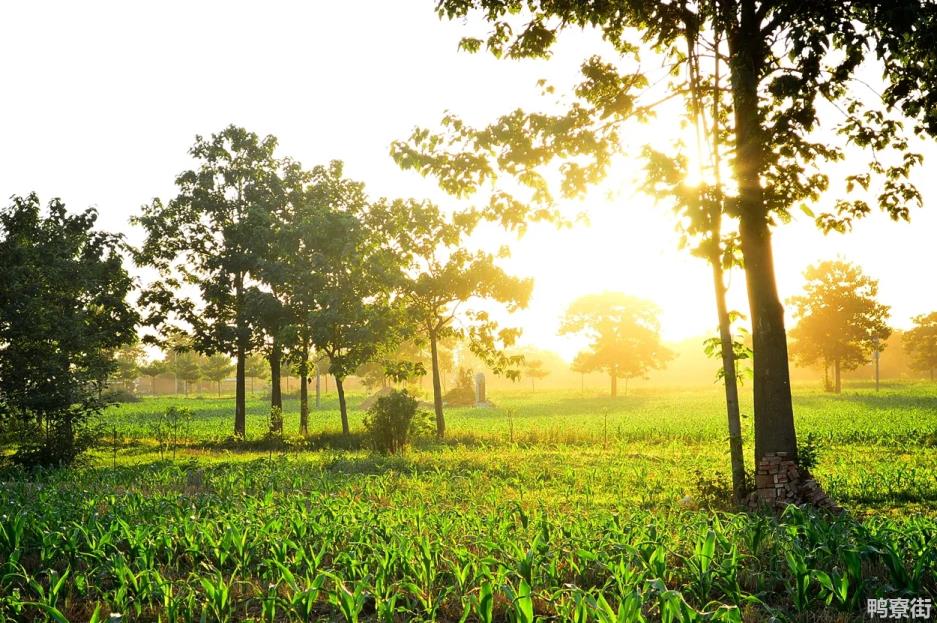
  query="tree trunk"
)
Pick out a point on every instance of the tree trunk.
point(437, 387)
point(826, 376)
point(219, 389)
point(341, 406)
point(276, 395)
point(240, 407)
point(773, 410)
point(614, 378)
point(730, 378)
point(318, 392)
point(304, 392)
point(836, 378)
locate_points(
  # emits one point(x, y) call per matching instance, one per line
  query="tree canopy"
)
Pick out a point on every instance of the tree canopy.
point(839, 319)
point(782, 66)
point(920, 342)
point(63, 313)
point(212, 236)
point(624, 336)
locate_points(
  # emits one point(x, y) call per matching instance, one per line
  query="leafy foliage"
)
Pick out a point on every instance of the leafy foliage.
point(63, 313)
point(920, 342)
point(839, 319)
point(623, 334)
point(394, 420)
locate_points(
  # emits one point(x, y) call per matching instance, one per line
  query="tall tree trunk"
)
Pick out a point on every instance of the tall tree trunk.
point(304, 392)
point(836, 378)
point(318, 392)
point(614, 378)
point(276, 395)
point(343, 409)
point(437, 387)
point(826, 376)
point(773, 410)
point(730, 378)
point(240, 407)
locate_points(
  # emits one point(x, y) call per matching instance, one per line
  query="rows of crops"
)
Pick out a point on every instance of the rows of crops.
point(613, 527)
point(289, 539)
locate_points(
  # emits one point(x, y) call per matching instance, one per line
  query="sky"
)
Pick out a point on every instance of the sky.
point(101, 102)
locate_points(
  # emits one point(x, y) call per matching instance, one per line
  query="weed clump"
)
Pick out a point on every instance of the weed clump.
point(394, 420)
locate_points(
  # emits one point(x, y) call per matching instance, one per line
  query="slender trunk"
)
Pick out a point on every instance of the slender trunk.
point(318, 388)
point(304, 392)
point(836, 379)
point(773, 409)
point(219, 389)
point(185, 387)
point(826, 376)
point(437, 388)
point(326, 383)
point(341, 405)
point(240, 407)
point(730, 378)
point(276, 395)
point(614, 378)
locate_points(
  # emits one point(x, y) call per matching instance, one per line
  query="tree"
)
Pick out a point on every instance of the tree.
point(624, 336)
point(920, 343)
point(151, 370)
point(534, 369)
point(256, 368)
point(128, 359)
point(216, 368)
point(779, 148)
point(839, 320)
point(443, 279)
point(63, 313)
point(336, 276)
point(212, 236)
point(186, 365)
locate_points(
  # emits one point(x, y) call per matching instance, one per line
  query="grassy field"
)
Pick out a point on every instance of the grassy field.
point(551, 506)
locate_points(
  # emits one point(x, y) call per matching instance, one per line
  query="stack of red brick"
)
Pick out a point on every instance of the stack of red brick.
point(779, 482)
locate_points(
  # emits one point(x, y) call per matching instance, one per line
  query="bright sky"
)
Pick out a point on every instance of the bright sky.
point(101, 102)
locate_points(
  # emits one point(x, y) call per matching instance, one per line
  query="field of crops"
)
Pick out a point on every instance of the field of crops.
point(553, 506)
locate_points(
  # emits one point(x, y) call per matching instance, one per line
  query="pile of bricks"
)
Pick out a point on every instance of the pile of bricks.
point(779, 482)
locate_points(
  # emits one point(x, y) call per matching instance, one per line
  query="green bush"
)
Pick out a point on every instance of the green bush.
point(118, 395)
point(393, 421)
point(808, 452)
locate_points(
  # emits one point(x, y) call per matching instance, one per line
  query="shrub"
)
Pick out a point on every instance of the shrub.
point(393, 421)
point(808, 452)
point(118, 395)
point(463, 394)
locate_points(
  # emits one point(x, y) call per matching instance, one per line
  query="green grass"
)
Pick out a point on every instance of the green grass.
point(544, 504)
